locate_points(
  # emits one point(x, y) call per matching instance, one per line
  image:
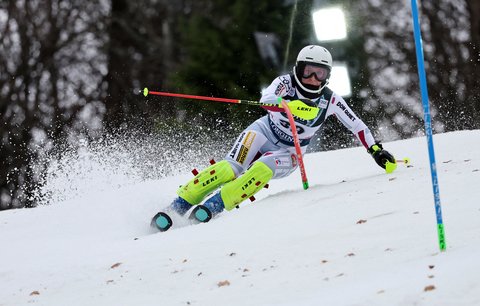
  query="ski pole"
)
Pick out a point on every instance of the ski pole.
point(405, 161)
point(297, 107)
point(296, 143)
point(147, 92)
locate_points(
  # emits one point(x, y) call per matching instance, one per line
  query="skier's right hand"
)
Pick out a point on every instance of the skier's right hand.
point(383, 157)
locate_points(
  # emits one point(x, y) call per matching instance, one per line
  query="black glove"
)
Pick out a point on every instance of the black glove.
point(380, 155)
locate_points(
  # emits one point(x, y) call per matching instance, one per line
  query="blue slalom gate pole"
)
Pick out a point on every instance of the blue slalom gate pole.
point(428, 124)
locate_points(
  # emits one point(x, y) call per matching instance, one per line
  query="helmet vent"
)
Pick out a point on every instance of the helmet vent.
point(310, 58)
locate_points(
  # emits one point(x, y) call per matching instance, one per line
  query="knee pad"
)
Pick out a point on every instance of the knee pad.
point(205, 182)
point(245, 186)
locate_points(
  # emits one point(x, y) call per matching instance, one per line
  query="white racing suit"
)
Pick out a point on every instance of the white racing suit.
point(269, 139)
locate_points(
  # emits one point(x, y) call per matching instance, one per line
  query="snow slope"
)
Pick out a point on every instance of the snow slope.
point(356, 237)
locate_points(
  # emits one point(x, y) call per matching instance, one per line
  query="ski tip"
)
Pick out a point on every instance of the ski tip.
point(145, 91)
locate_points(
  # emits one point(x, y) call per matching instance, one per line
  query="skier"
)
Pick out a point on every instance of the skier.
point(265, 150)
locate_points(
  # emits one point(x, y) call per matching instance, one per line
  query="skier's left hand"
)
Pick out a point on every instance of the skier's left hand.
point(383, 158)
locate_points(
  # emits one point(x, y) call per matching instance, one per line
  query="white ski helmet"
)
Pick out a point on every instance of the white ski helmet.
point(316, 56)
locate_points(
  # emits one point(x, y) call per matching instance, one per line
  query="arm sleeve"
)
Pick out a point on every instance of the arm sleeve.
point(348, 118)
point(278, 88)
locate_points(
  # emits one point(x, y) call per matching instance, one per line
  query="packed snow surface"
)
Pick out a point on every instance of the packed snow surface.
point(357, 236)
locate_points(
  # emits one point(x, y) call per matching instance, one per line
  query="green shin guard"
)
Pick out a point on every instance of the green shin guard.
point(246, 185)
point(205, 182)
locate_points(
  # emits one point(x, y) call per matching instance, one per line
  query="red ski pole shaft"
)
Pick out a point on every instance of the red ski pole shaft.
point(147, 92)
point(296, 142)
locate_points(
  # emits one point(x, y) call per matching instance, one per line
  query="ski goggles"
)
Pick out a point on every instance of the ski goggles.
point(320, 73)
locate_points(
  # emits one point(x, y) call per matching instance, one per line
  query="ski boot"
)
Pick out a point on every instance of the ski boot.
point(245, 186)
point(193, 193)
point(234, 192)
point(206, 182)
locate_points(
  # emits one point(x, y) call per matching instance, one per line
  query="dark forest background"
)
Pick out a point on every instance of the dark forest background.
point(73, 69)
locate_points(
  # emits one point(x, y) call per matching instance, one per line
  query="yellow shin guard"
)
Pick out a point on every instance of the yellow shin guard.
point(206, 182)
point(246, 185)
